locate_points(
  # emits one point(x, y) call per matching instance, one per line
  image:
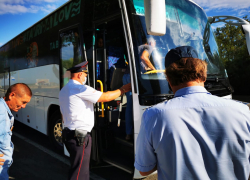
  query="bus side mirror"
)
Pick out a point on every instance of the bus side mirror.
point(246, 31)
point(155, 16)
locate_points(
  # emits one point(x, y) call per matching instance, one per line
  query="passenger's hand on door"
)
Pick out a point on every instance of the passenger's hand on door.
point(1, 160)
point(126, 88)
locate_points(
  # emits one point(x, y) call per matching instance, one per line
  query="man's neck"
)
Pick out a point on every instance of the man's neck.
point(76, 79)
point(188, 84)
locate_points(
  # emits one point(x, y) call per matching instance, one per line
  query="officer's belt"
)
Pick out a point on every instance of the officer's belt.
point(71, 132)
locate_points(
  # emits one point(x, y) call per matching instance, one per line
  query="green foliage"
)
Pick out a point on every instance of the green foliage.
point(234, 54)
point(67, 63)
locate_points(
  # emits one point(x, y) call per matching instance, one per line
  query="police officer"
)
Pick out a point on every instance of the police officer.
point(76, 104)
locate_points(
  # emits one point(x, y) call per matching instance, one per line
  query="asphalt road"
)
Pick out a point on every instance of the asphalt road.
point(35, 159)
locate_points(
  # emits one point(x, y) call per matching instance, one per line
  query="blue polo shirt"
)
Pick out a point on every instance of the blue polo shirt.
point(6, 146)
point(195, 136)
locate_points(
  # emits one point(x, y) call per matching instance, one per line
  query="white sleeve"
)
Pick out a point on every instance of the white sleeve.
point(90, 94)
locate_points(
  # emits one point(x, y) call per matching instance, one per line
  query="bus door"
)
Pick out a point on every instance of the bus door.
point(110, 58)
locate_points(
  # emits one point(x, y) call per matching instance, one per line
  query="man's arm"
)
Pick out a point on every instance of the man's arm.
point(145, 157)
point(111, 95)
point(145, 59)
point(149, 172)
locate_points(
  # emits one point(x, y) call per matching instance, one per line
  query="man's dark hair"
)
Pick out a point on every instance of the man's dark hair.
point(186, 70)
point(20, 89)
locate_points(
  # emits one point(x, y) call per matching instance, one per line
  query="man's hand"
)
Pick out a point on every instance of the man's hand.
point(1, 160)
point(111, 95)
point(126, 88)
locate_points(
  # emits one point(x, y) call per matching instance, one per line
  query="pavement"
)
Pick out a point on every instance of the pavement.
point(34, 159)
point(31, 163)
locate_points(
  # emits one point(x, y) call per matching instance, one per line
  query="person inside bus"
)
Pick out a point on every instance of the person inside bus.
point(145, 52)
point(76, 101)
point(129, 108)
point(195, 135)
point(16, 97)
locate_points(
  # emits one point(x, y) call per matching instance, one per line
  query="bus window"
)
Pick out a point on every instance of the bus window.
point(1, 84)
point(70, 51)
point(88, 55)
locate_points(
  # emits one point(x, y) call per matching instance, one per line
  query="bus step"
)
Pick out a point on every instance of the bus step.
point(119, 163)
point(121, 140)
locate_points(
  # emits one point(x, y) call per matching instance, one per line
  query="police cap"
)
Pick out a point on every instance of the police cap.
point(82, 67)
point(178, 53)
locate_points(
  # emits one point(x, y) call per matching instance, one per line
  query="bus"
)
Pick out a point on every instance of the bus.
point(108, 34)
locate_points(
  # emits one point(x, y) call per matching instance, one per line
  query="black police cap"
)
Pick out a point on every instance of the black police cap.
point(82, 67)
point(178, 53)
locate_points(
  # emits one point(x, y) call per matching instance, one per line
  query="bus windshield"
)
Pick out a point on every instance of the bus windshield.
point(187, 25)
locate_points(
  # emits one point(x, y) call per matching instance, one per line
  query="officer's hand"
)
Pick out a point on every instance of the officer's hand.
point(126, 87)
point(1, 160)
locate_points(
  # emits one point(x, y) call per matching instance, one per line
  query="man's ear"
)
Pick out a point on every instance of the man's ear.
point(79, 75)
point(11, 95)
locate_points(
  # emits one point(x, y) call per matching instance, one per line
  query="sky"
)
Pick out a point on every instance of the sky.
point(18, 15)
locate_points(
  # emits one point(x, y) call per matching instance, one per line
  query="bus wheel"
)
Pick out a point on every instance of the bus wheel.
point(55, 131)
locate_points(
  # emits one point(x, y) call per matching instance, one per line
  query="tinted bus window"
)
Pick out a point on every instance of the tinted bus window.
point(70, 52)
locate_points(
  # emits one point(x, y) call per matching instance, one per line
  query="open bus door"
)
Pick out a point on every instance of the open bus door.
point(110, 55)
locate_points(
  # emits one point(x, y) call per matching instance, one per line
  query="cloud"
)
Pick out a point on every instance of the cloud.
point(48, 8)
point(217, 25)
point(12, 1)
point(28, 6)
point(223, 4)
point(243, 12)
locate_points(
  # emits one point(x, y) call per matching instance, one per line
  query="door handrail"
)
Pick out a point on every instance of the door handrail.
point(101, 85)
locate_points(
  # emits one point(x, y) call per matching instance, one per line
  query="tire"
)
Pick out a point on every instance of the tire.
point(55, 131)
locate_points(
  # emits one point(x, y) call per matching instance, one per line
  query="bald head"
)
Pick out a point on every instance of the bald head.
point(17, 96)
point(20, 89)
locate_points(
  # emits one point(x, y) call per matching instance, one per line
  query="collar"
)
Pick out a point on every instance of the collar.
point(190, 90)
point(74, 81)
point(6, 106)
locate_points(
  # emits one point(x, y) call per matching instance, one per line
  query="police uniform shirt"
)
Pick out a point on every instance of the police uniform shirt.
point(76, 105)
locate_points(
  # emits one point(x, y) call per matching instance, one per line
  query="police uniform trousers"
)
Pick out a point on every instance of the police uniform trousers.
point(79, 156)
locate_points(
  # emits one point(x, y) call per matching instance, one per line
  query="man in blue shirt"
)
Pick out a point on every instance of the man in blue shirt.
point(195, 135)
point(16, 97)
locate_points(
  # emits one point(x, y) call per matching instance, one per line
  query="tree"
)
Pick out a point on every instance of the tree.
point(235, 56)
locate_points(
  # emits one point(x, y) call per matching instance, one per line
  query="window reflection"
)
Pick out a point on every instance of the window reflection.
point(70, 52)
point(186, 26)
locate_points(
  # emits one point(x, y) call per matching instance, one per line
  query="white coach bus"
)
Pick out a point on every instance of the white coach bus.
point(108, 34)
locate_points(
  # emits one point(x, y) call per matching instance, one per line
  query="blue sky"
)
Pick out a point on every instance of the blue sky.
point(18, 15)
point(238, 8)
